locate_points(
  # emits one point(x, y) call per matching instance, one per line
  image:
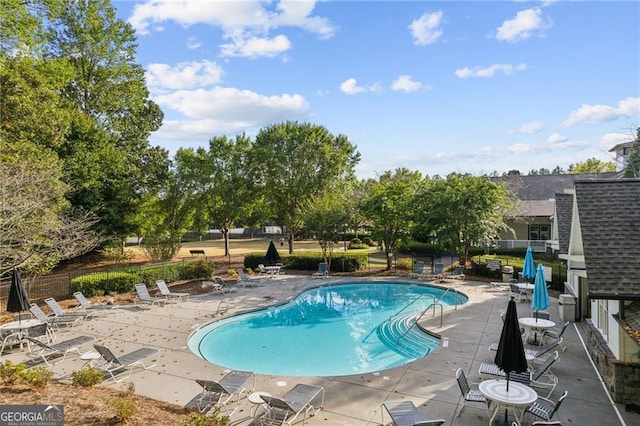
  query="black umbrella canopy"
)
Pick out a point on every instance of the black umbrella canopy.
point(510, 356)
point(18, 298)
point(272, 255)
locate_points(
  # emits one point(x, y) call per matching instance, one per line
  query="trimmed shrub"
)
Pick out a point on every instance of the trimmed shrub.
point(404, 263)
point(99, 283)
point(36, 377)
point(86, 377)
point(200, 269)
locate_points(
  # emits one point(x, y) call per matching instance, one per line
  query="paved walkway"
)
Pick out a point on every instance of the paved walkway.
point(350, 400)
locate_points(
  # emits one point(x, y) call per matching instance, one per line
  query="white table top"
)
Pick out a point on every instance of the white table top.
point(20, 325)
point(536, 323)
point(526, 286)
point(518, 395)
point(256, 397)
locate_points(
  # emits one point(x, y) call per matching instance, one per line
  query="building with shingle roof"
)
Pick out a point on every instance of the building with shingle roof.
point(533, 219)
point(562, 221)
point(603, 274)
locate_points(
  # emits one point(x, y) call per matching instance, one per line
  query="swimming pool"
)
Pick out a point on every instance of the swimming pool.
point(327, 331)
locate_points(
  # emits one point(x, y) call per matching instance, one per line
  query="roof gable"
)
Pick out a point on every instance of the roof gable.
point(564, 209)
point(609, 212)
point(545, 187)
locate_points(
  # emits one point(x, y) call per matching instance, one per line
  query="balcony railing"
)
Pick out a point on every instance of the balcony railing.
point(538, 246)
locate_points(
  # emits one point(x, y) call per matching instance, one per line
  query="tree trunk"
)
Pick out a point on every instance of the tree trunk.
point(290, 239)
point(225, 236)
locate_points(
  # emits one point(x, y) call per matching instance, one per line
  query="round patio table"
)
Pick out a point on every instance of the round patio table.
point(518, 397)
point(535, 326)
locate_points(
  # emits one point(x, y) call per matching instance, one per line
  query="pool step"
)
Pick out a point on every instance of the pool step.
point(403, 336)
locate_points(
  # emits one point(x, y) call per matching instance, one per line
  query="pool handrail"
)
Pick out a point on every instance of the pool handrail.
point(411, 303)
point(455, 298)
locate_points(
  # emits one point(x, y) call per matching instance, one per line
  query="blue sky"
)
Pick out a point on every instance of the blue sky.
point(437, 87)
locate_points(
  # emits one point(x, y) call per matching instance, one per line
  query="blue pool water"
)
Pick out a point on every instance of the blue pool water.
point(326, 331)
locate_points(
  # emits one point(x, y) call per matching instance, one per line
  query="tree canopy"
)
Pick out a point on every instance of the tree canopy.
point(294, 162)
point(388, 205)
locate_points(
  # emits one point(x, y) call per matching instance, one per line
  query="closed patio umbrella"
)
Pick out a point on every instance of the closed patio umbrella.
point(510, 356)
point(18, 298)
point(272, 255)
point(529, 268)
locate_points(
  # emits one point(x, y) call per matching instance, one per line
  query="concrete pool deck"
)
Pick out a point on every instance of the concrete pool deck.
point(350, 400)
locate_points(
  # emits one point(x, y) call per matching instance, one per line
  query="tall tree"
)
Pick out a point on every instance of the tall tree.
point(388, 206)
point(632, 166)
point(592, 165)
point(327, 218)
point(219, 178)
point(165, 217)
point(461, 210)
point(38, 227)
point(294, 163)
point(113, 115)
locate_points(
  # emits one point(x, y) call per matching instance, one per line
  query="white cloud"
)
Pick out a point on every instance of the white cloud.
point(217, 111)
point(556, 138)
point(426, 29)
point(231, 104)
point(489, 71)
point(255, 47)
point(522, 26)
point(350, 87)
point(193, 43)
point(184, 75)
point(246, 24)
point(530, 127)
point(592, 114)
point(405, 83)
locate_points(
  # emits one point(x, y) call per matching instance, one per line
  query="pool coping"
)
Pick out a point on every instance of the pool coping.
point(350, 400)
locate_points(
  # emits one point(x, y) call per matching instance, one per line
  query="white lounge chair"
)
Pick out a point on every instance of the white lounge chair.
point(298, 400)
point(87, 305)
point(322, 271)
point(58, 351)
point(437, 274)
point(145, 298)
point(223, 392)
point(58, 312)
point(113, 365)
point(54, 321)
point(405, 413)
point(163, 290)
point(246, 280)
point(457, 274)
point(418, 270)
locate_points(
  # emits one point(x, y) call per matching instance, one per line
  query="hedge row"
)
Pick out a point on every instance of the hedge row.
point(309, 262)
point(124, 281)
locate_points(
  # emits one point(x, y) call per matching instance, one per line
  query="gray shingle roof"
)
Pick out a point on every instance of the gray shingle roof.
point(609, 212)
point(545, 187)
point(532, 208)
point(564, 209)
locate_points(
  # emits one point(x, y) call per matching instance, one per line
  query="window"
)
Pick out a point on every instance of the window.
point(539, 232)
point(603, 318)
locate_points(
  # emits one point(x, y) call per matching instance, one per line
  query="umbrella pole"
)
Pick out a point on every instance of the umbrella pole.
point(506, 416)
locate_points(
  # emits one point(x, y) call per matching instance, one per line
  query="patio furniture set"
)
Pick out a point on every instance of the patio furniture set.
point(527, 393)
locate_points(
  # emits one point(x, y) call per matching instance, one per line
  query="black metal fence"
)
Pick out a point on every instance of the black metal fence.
point(58, 286)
